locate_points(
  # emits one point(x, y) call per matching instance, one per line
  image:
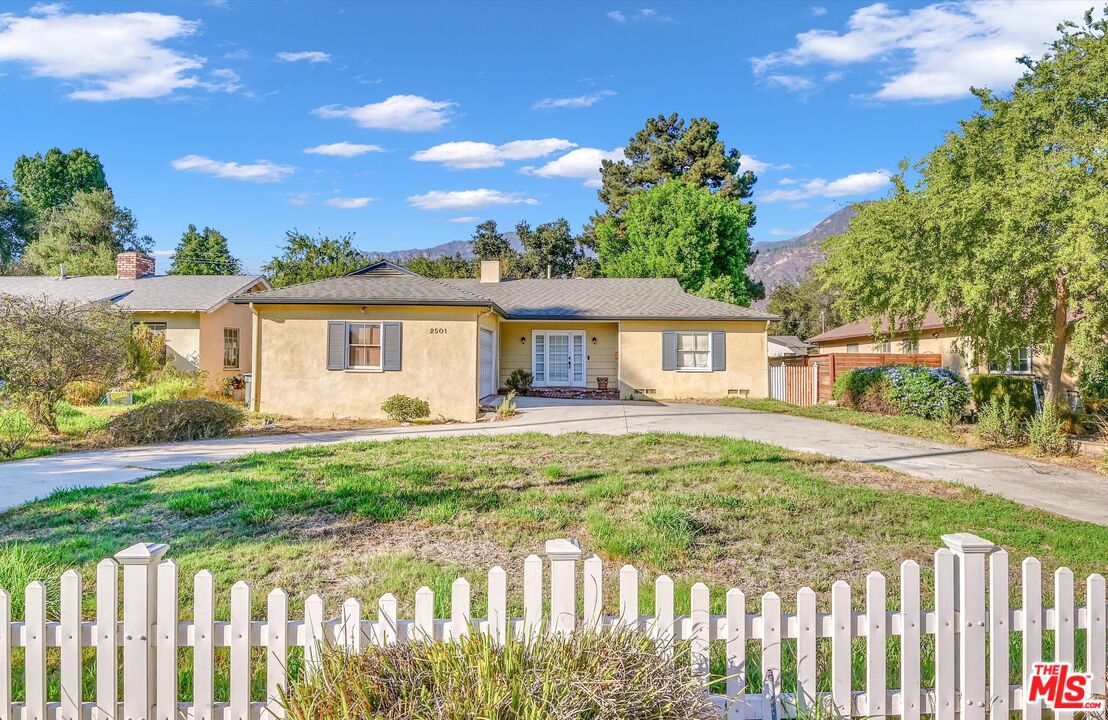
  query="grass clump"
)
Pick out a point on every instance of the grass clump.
point(174, 420)
point(998, 425)
point(405, 408)
point(586, 676)
point(1046, 432)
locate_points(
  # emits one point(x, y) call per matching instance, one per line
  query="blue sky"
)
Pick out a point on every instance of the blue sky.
point(407, 123)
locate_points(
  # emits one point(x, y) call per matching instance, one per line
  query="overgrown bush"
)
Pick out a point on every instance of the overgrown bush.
point(931, 393)
point(85, 392)
point(1018, 390)
point(16, 430)
point(519, 381)
point(998, 425)
point(587, 676)
point(1046, 432)
point(170, 383)
point(172, 420)
point(145, 352)
point(404, 408)
point(1092, 381)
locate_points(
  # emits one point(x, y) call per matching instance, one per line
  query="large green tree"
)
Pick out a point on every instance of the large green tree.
point(1005, 235)
point(549, 250)
point(305, 258)
point(204, 252)
point(488, 243)
point(48, 181)
point(807, 308)
point(15, 225)
point(679, 230)
point(446, 266)
point(85, 234)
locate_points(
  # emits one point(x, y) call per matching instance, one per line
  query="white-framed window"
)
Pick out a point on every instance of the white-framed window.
point(694, 351)
point(1018, 362)
point(852, 347)
point(885, 347)
point(363, 345)
point(909, 347)
point(230, 348)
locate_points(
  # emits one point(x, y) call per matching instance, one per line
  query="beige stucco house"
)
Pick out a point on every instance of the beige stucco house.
point(937, 338)
point(340, 347)
point(202, 329)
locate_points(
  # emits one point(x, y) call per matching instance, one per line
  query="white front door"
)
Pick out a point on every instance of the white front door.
point(559, 358)
point(487, 365)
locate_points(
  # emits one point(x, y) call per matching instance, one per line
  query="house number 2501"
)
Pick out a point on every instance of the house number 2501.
point(438, 331)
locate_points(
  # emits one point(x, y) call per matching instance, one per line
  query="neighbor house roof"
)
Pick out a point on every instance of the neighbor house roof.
point(792, 342)
point(863, 329)
point(574, 299)
point(160, 293)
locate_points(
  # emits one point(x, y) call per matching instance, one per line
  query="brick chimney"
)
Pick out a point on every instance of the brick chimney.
point(133, 265)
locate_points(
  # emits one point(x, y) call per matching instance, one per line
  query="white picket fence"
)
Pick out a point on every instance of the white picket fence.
point(971, 623)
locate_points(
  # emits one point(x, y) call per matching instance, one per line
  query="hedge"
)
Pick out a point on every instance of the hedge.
point(1018, 390)
point(931, 393)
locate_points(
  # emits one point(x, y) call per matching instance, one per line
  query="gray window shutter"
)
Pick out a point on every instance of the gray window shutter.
point(669, 351)
point(719, 351)
point(393, 343)
point(336, 345)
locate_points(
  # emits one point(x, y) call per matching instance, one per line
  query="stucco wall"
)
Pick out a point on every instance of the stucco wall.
point(293, 379)
point(211, 341)
point(600, 360)
point(641, 361)
point(182, 337)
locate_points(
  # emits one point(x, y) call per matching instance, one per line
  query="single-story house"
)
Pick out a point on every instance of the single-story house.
point(934, 337)
point(340, 347)
point(202, 329)
point(788, 345)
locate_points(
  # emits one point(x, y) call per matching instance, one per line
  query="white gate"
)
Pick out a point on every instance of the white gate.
point(487, 365)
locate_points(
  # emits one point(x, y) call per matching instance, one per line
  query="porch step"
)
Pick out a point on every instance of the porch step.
point(572, 393)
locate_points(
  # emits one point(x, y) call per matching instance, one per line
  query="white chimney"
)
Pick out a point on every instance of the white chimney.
point(490, 271)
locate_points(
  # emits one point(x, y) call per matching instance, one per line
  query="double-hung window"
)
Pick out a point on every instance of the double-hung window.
point(694, 351)
point(1018, 362)
point(363, 345)
point(230, 348)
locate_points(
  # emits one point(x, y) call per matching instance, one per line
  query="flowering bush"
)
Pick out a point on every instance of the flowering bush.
point(931, 393)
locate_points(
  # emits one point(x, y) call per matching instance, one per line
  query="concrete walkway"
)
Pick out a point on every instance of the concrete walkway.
point(1065, 491)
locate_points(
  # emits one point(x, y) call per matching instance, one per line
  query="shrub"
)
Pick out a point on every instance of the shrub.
point(85, 392)
point(145, 352)
point(16, 429)
point(587, 675)
point(1018, 390)
point(998, 425)
point(931, 393)
point(519, 381)
point(1092, 381)
point(1046, 432)
point(170, 383)
point(507, 407)
point(404, 408)
point(172, 420)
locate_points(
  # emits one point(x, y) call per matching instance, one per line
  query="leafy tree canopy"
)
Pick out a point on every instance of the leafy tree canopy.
point(807, 308)
point(203, 253)
point(48, 181)
point(15, 225)
point(85, 234)
point(446, 266)
point(1005, 235)
point(678, 230)
point(305, 259)
point(489, 243)
point(549, 250)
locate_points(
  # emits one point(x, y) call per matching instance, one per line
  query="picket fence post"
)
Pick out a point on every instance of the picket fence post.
point(970, 552)
point(140, 597)
point(563, 555)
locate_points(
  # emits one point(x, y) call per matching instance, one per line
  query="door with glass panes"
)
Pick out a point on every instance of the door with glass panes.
point(559, 358)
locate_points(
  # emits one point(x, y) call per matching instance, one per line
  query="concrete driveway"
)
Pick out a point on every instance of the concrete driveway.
point(1065, 491)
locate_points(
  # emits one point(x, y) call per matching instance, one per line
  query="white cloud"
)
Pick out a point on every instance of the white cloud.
point(464, 219)
point(107, 56)
point(792, 83)
point(468, 199)
point(262, 171)
point(756, 166)
point(299, 199)
point(935, 52)
point(223, 80)
point(400, 112)
point(617, 16)
point(857, 184)
point(47, 8)
point(348, 203)
point(642, 14)
point(468, 155)
point(580, 163)
point(343, 149)
point(819, 10)
point(238, 54)
point(577, 101)
point(312, 56)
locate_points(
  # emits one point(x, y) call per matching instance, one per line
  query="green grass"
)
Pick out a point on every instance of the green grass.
point(935, 430)
point(361, 520)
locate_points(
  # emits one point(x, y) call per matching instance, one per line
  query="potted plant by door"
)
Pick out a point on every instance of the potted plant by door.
point(602, 383)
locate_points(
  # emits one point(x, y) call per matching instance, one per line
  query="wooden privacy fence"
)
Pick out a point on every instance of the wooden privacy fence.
point(971, 624)
point(796, 384)
point(829, 366)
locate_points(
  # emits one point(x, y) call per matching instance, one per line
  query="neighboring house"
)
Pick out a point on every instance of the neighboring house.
point(788, 345)
point(202, 330)
point(937, 338)
point(340, 347)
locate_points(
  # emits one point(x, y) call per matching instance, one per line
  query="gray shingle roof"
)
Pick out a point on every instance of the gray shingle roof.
point(162, 293)
point(574, 299)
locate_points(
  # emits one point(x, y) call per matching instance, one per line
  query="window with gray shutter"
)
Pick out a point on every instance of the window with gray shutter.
point(669, 351)
point(719, 351)
point(336, 345)
point(393, 345)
